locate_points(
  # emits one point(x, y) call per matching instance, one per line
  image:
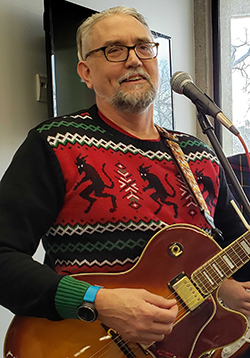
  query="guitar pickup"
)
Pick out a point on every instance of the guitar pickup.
point(187, 292)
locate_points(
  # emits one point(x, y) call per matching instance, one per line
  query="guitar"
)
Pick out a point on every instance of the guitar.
point(236, 349)
point(179, 261)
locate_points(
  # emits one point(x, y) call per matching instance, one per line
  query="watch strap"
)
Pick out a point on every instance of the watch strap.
point(90, 294)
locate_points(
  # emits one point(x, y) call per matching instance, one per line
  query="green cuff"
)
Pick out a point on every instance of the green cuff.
point(69, 296)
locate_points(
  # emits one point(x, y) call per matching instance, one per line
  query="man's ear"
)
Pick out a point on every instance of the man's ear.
point(83, 71)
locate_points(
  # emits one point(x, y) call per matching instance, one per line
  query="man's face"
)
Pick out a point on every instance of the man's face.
point(131, 85)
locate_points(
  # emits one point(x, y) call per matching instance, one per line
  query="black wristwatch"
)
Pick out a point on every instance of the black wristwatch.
point(86, 311)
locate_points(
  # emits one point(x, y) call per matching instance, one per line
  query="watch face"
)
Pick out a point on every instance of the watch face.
point(87, 312)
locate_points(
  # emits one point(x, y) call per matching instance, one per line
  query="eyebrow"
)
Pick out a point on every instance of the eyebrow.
point(121, 42)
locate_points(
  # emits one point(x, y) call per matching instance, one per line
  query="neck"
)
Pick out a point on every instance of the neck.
point(140, 125)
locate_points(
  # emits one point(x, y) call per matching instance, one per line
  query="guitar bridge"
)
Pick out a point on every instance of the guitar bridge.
point(185, 289)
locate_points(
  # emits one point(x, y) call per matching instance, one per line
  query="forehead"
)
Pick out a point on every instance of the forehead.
point(119, 28)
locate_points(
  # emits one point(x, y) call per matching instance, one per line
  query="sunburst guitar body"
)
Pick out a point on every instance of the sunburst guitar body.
point(179, 261)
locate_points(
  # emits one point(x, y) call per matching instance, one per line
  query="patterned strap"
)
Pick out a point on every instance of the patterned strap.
point(182, 164)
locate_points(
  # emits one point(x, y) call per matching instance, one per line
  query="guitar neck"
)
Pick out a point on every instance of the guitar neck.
point(209, 276)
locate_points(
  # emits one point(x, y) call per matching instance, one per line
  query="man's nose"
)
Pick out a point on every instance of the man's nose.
point(133, 60)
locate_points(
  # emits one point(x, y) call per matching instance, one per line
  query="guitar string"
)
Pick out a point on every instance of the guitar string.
point(239, 257)
point(223, 267)
point(225, 270)
point(109, 347)
point(124, 343)
point(215, 278)
point(179, 311)
point(112, 346)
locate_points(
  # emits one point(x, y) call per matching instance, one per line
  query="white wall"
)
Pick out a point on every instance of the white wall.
point(23, 56)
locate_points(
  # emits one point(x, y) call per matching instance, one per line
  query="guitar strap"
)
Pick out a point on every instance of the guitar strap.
point(171, 142)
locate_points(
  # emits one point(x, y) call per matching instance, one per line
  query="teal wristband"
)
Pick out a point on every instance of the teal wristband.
point(91, 293)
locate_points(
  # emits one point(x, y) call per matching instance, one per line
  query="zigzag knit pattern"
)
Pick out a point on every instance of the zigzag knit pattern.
point(119, 191)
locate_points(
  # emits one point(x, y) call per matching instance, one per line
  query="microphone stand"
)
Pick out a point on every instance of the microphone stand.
point(208, 129)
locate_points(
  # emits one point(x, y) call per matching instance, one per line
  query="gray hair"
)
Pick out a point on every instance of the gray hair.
point(84, 30)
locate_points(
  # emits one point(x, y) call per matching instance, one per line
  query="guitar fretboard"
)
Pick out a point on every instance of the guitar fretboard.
point(223, 265)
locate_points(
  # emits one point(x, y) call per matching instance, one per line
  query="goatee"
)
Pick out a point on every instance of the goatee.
point(136, 101)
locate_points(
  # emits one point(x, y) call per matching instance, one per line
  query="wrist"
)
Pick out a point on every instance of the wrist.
point(91, 293)
point(87, 311)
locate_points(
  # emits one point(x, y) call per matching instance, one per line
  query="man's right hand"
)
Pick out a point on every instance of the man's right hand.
point(138, 315)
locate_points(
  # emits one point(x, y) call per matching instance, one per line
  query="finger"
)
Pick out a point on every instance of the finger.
point(246, 284)
point(246, 306)
point(166, 303)
point(160, 301)
point(161, 328)
point(165, 316)
point(246, 294)
point(148, 339)
point(245, 312)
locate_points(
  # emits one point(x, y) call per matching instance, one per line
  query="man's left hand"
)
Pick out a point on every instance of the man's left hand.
point(236, 295)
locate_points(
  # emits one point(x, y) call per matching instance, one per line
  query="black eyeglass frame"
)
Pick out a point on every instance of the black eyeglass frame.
point(156, 44)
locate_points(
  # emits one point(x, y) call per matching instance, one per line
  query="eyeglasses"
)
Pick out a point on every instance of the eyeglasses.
point(120, 53)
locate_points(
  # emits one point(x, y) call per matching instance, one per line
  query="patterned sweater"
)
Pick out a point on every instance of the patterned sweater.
point(95, 195)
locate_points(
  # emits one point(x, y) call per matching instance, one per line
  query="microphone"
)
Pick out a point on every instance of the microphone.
point(182, 83)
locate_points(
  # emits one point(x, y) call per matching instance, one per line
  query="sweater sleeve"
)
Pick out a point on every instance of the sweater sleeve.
point(31, 196)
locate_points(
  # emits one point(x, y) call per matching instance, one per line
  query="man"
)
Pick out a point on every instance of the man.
point(97, 185)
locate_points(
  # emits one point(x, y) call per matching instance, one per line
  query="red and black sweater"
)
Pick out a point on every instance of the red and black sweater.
point(95, 195)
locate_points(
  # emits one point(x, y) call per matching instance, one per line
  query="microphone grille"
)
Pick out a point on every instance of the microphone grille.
point(179, 80)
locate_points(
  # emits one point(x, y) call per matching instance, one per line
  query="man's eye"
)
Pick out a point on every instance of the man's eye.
point(115, 49)
point(145, 47)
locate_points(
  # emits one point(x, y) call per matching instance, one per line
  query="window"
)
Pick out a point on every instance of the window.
point(234, 21)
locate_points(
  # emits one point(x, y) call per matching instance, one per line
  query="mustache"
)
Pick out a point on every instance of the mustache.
point(134, 72)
